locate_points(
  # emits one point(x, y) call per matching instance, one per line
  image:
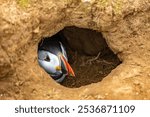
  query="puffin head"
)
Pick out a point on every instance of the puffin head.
point(55, 65)
point(48, 61)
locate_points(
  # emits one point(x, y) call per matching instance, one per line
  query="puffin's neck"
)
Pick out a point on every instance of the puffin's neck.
point(56, 77)
point(61, 78)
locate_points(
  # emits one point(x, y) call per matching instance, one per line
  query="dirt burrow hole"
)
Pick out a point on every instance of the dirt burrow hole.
point(88, 54)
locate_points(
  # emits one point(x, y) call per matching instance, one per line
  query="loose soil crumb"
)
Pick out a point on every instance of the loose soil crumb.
point(90, 69)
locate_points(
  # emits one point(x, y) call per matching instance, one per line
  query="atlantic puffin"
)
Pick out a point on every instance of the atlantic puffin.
point(52, 57)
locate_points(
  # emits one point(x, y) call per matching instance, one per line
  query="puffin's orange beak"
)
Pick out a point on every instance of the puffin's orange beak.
point(69, 68)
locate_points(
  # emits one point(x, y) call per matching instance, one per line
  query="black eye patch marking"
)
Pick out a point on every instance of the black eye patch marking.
point(47, 58)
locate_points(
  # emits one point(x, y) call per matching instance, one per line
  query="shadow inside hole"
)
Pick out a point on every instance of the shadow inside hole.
point(88, 55)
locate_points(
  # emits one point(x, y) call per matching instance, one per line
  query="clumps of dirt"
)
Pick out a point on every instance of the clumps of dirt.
point(90, 69)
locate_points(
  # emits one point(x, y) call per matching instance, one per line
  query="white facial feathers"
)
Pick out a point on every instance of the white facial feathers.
point(49, 66)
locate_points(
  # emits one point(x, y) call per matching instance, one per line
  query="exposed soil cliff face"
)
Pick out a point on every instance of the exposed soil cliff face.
point(124, 24)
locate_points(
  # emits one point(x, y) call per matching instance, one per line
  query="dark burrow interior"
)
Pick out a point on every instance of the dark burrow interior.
point(88, 54)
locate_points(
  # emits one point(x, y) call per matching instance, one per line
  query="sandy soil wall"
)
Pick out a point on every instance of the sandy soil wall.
point(125, 24)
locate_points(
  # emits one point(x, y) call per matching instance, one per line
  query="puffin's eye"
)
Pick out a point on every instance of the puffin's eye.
point(47, 58)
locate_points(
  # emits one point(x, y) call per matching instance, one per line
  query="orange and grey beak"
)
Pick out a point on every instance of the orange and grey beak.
point(67, 65)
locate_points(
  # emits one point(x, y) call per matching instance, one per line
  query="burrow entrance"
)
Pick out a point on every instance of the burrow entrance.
point(88, 54)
